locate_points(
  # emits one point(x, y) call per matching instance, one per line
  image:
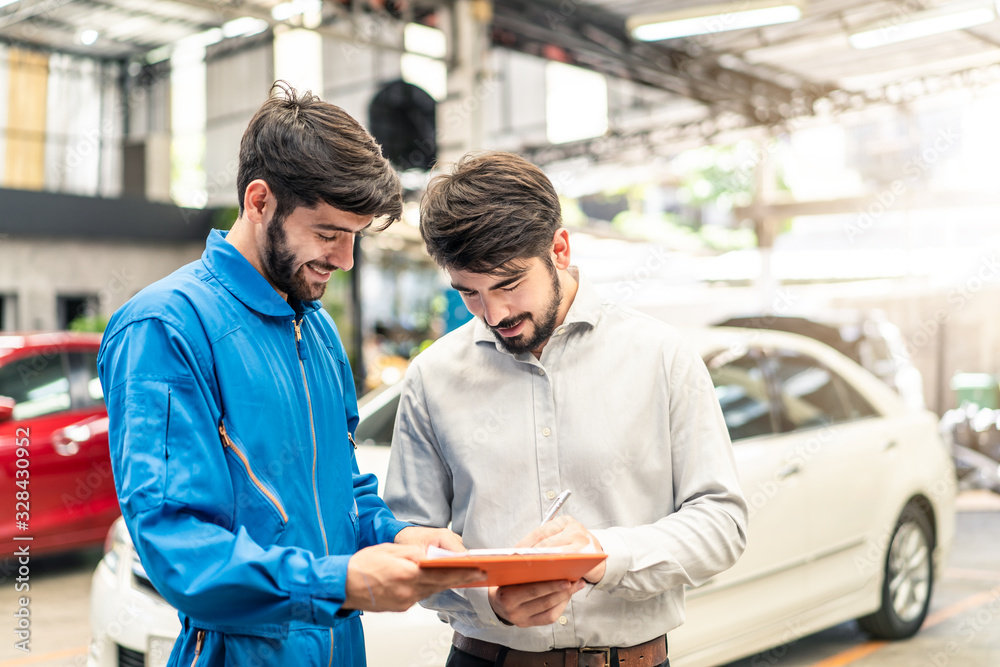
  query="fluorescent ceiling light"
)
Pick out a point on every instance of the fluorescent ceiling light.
point(4, 3)
point(243, 26)
point(956, 16)
point(88, 37)
point(713, 18)
point(287, 10)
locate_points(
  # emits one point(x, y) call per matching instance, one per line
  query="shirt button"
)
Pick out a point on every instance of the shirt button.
point(546, 431)
point(541, 371)
point(550, 495)
point(563, 620)
point(561, 331)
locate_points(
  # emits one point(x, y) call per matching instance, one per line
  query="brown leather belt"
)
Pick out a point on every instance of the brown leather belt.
point(650, 654)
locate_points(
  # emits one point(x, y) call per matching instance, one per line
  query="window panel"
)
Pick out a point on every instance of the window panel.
point(38, 384)
point(86, 386)
point(742, 392)
point(808, 392)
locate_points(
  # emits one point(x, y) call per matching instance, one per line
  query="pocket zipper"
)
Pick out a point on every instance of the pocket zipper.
point(197, 647)
point(227, 442)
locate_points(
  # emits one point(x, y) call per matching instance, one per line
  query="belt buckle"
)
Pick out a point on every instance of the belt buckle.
point(605, 650)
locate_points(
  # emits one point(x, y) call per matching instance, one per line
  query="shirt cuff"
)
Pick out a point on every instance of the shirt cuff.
point(480, 599)
point(619, 558)
point(329, 591)
point(387, 529)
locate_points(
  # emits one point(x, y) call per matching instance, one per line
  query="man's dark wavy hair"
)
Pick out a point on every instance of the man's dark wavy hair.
point(493, 211)
point(310, 151)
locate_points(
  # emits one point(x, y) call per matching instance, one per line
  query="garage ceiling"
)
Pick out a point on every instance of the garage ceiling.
point(742, 78)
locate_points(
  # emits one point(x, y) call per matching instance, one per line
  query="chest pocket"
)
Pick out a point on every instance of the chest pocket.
point(258, 508)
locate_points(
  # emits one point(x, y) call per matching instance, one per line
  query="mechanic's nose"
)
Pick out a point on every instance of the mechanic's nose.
point(342, 253)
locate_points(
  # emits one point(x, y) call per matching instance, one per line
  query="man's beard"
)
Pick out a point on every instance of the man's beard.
point(543, 328)
point(279, 263)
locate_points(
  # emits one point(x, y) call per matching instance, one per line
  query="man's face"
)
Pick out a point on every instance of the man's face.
point(302, 251)
point(521, 310)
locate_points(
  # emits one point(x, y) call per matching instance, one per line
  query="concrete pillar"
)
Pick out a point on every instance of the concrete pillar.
point(766, 226)
point(466, 25)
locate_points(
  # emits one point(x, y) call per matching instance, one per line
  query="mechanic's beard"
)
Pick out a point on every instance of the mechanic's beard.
point(542, 328)
point(280, 262)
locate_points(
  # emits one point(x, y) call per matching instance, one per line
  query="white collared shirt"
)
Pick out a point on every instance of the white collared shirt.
point(620, 410)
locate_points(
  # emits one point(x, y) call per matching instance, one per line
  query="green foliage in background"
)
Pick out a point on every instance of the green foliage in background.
point(89, 324)
point(223, 218)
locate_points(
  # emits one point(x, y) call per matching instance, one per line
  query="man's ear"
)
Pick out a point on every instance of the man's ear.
point(560, 248)
point(258, 202)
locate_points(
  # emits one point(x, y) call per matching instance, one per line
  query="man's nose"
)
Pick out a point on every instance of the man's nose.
point(494, 310)
point(342, 253)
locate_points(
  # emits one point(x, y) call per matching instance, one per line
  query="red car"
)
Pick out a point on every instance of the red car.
point(54, 461)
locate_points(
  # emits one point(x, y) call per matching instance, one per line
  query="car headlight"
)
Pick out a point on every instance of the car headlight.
point(115, 544)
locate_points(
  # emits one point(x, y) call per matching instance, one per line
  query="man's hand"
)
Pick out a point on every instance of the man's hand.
point(430, 537)
point(526, 605)
point(386, 577)
point(565, 531)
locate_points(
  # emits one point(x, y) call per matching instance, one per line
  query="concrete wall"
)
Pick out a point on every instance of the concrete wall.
point(947, 331)
point(36, 272)
point(237, 84)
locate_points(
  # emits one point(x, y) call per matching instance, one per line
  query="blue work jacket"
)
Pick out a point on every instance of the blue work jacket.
point(231, 421)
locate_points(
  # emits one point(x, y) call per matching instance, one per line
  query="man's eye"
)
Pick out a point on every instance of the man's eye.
point(511, 288)
point(327, 238)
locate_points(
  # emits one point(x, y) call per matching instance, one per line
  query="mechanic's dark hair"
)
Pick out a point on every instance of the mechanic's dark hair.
point(493, 211)
point(310, 151)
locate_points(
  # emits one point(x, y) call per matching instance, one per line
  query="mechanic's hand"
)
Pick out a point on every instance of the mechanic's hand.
point(387, 577)
point(526, 605)
point(430, 537)
point(567, 532)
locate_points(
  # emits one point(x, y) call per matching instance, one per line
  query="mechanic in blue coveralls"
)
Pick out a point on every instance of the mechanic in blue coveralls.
point(232, 412)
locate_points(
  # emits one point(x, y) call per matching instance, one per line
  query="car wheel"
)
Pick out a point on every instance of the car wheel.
point(909, 577)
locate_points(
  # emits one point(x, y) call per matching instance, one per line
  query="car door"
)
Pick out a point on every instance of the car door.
point(846, 462)
point(39, 383)
point(92, 499)
point(762, 588)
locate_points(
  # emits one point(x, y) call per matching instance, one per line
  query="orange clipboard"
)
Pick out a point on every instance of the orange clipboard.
point(519, 568)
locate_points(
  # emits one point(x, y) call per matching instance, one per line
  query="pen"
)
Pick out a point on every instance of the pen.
point(554, 507)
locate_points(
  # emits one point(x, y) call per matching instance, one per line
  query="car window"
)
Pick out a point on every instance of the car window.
point(39, 385)
point(858, 406)
point(85, 385)
point(742, 392)
point(810, 394)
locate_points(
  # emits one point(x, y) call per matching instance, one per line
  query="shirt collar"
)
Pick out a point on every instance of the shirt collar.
point(238, 275)
point(585, 310)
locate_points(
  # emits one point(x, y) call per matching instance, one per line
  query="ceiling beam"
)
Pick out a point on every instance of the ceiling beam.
point(594, 38)
point(28, 9)
point(227, 12)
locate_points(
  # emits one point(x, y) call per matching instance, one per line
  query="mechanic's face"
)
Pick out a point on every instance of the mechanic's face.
point(302, 251)
point(521, 310)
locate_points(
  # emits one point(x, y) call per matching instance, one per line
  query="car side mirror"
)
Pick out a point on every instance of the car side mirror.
point(6, 408)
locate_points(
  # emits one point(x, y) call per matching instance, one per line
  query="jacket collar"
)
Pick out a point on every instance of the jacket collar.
point(238, 275)
point(585, 310)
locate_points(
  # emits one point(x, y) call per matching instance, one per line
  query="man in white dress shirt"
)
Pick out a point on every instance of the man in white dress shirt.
point(550, 388)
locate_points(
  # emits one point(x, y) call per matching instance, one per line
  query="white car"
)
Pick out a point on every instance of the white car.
point(851, 500)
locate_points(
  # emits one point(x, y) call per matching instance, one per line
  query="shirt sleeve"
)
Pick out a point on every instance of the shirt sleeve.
point(418, 488)
point(706, 532)
point(177, 497)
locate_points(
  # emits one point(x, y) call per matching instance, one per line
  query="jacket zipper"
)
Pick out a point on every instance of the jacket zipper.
point(227, 442)
point(312, 431)
point(197, 647)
